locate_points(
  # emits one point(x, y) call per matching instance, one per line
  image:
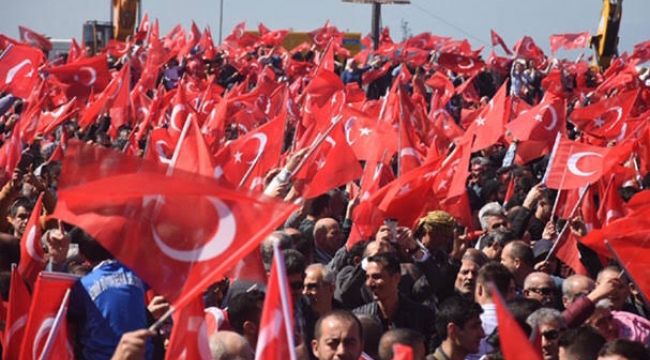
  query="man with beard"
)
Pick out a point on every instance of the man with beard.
point(549, 324)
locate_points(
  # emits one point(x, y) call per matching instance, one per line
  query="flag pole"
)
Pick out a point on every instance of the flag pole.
point(566, 224)
point(284, 298)
point(319, 140)
point(55, 326)
point(625, 270)
point(551, 157)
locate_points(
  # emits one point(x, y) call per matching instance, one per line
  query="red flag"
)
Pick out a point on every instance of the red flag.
point(322, 36)
point(32, 256)
point(540, 123)
point(488, 127)
point(460, 64)
point(513, 341)
point(569, 41)
point(276, 339)
point(402, 352)
point(527, 49)
point(19, 70)
point(633, 253)
point(17, 313)
point(45, 324)
point(632, 228)
point(33, 38)
point(154, 206)
point(194, 155)
point(83, 75)
point(498, 40)
point(443, 89)
point(612, 206)
point(575, 165)
point(50, 120)
point(607, 117)
point(189, 337)
point(10, 153)
point(272, 38)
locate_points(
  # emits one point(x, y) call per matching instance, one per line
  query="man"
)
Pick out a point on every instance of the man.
point(540, 286)
point(407, 337)
point(622, 293)
point(458, 323)
point(19, 215)
point(230, 345)
point(549, 324)
point(466, 278)
point(294, 264)
point(497, 274)
point(318, 287)
point(391, 308)
point(327, 240)
point(337, 335)
point(621, 349)
point(244, 314)
point(580, 343)
point(492, 217)
point(518, 257)
point(580, 295)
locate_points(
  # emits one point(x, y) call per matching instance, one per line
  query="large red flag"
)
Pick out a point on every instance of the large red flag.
point(193, 154)
point(32, 256)
point(541, 122)
point(19, 69)
point(45, 326)
point(189, 338)
point(33, 38)
point(569, 41)
point(498, 40)
point(17, 313)
point(513, 341)
point(135, 208)
point(276, 339)
point(633, 253)
point(460, 63)
point(632, 228)
point(50, 120)
point(488, 127)
point(527, 49)
point(83, 75)
point(573, 165)
point(605, 118)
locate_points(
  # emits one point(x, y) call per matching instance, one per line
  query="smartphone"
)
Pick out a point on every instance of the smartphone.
point(392, 227)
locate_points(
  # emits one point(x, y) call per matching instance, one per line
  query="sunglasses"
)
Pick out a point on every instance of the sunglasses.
point(551, 334)
point(296, 285)
point(541, 291)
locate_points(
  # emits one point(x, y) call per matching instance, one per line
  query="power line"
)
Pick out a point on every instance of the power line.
point(458, 28)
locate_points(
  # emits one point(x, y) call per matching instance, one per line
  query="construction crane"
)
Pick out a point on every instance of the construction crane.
point(124, 13)
point(605, 42)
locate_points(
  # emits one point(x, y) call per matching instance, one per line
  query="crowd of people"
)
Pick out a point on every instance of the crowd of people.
point(370, 274)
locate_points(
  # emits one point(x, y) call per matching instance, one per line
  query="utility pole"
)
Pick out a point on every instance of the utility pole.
point(376, 15)
point(220, 20)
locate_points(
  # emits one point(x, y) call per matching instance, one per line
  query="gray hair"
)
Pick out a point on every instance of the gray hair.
point(489, 209)
point(328, 276)
point(545, 316)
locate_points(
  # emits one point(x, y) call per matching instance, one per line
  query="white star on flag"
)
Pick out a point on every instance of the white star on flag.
point(480, 121)
point(365, 131)
point(237, 156)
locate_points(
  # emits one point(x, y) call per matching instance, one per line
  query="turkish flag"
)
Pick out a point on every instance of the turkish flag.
point(17, 313)
point(35, 39)
point(10, 153)
point(460, 64)
point(322, 36)
point(189, 337)
point(402, 352)
point(498, 40)
point(50, 120)
point(527, 49)
point(514, 342)
point(162, 224)
point(119, 100)
point(32, 256)
point(574, 165)
point(488, 127)
point(271, 38)
point(632, 228)
point(19, 70)
point(540, 123)
point(247, 159)
point(83, 75)
point(605, 118)
point(632, 251)
point(276, 340)
point(443, 89)
point(194, 155)
point(45, 316)
point(612, 206)
point(569, 41)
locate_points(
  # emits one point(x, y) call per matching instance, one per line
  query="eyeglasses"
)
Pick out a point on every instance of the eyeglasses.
point(551, 334)
point(541, 291)
point(296, 285)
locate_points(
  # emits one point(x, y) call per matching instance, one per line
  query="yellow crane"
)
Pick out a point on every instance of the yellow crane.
point(605, 42)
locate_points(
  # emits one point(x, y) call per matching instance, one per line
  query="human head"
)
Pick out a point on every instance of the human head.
point(372, 330)
point(407, 337)
point(493, 242)
point(458, 323)
point(621, 349)
point(89, 248)
point(497, 274)
point(540, 286)
point(282, 239)
point(492, 217)
point(466, 278)
point(327, 235)
point(622, 292)
point(549, 324)
point(19, 212)
point(337, 335)
point(575, 286)
point(319, 207)
point(518, 257)
point(383, 276)
point(244, 314)
point(294, 264)
point(478, 166)
point(602, 320)
point(228, 345)
point(435, 230)
point(319, 287)
point(580, 343)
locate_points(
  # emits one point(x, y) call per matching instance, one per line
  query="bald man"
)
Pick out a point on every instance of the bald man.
point(230, 345)
point(327, 239)
point(540, 286)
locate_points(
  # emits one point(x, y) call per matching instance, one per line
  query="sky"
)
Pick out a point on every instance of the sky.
point(471, 19)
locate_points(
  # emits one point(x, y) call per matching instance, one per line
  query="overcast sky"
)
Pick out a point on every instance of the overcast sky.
point(471, 19)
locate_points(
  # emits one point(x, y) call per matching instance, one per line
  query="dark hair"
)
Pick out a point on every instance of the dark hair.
point(356, 250)
point(500, 235)
point(294, 262)
point(90, 248)
point(344, 315)
point(457, 310)
point(582, 343)
point(631, 350)
point(318, 205)
point(21, 202)
point(521, 308)
point(246, 306)
point(521, 250)
point(388, 261)
point(266, 248)
point(496, 273)
point(398, 336)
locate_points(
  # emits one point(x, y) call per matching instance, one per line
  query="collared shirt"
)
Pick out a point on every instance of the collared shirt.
point(489, 323)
